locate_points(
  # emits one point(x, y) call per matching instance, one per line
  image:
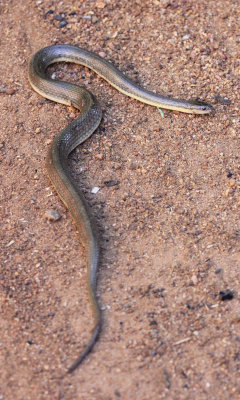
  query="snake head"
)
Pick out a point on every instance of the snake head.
point(200, 107)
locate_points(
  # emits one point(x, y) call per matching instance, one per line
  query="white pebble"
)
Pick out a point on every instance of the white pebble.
point(52, 215)
point(95, 190)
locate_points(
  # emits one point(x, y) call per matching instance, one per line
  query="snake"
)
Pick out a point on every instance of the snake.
point(76, 133)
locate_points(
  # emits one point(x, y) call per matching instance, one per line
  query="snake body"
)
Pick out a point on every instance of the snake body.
point(77, 132)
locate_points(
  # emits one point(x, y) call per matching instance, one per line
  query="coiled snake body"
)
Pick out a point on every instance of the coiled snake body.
point(77, 132)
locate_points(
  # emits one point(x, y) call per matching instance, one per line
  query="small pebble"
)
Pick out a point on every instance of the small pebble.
point(10, 92)
point(218, 271)
point(226, 295)
point(153, 322)
point(94, 19)
point(62, 24)
point(111, 183)
point(95, 190)
point(194, 279)
point(100, 4)
point(232, 182)
point(58, 17)
point(102, 54)
point(99, 156)
point(37, 130)
point(52, 215)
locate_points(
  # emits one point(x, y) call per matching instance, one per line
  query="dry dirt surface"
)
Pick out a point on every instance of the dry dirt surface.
point(167, 206)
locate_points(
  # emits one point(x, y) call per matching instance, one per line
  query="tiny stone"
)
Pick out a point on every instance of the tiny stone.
point(232, 182)
point(133, 166)
point(117, 393)
point(62, 24)
point(100, 4)
point(52, 215)
point(228, 191)
point(58, 17)
point(10, 91)
point(94, 19)
point(111, 183)
point(37, 130)
point(225, 16)
point(95, 190)
point(102, 54)
point(226, 295)
point(194, 279)
point(51, 314)
point(99, 156)
point(218, 270)
point(153, 322)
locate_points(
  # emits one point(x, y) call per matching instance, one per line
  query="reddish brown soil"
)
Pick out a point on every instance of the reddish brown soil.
point(169, 226)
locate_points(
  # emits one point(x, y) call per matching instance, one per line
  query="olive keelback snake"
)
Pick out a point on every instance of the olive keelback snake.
point(77, 132)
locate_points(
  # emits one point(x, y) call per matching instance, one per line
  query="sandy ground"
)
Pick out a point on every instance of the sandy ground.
point(169, 218)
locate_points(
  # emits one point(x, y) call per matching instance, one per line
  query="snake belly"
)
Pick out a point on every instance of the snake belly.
point(76, 133)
